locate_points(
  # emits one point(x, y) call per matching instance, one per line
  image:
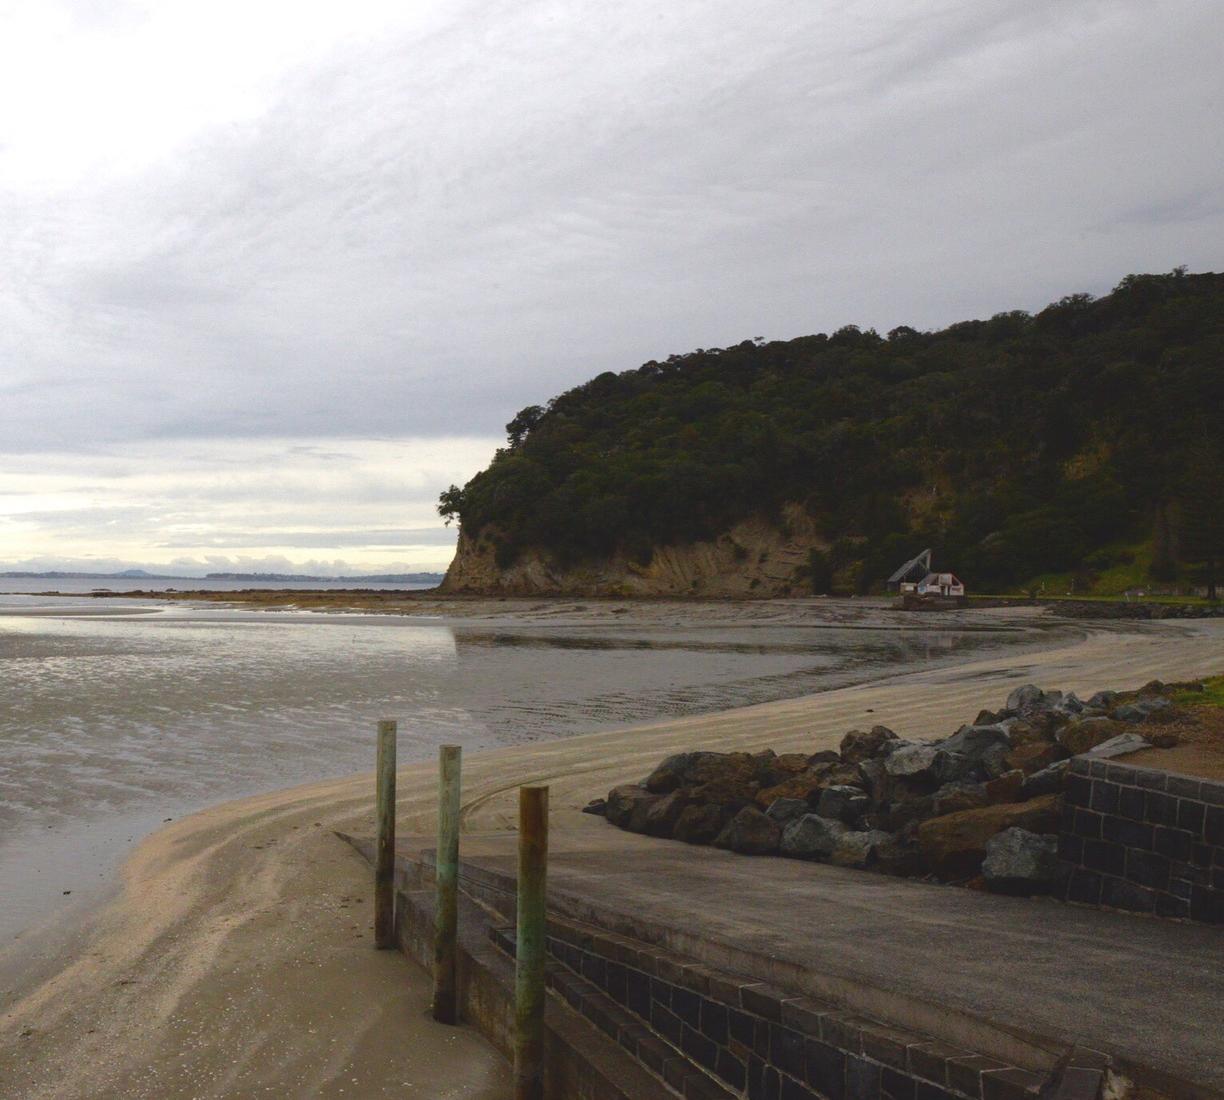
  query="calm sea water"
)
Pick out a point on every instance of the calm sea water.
point(32, 585)
point(116, 715)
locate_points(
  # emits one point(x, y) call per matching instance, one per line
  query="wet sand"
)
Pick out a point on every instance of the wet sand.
point(236, 960)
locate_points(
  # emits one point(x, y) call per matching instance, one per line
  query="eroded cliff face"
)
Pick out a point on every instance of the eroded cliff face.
point(754, 558)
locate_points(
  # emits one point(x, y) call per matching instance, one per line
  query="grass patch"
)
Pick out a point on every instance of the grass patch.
point(1212, 694)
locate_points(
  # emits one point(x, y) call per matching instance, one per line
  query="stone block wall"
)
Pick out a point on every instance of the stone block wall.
point(753, 1041)
point(1144, 840)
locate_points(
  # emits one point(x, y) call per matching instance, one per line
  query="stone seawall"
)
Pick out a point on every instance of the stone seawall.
point(1144, 840)
point(690, 1028)
point(750, 1040)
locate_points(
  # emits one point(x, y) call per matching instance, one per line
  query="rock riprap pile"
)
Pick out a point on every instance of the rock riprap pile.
point(981, 805)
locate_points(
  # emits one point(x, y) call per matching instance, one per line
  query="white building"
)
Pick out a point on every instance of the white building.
point(935, 584)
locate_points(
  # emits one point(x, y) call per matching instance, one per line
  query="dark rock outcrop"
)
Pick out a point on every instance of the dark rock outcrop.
point(1020, 862)
point(700, 824)
point(858, 745)
point(751, 833)
point(628, 803)
point(955, 845)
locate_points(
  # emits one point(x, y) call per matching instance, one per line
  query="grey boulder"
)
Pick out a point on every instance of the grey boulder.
point(1020, 862)
point(785, 810)
point(860, 745)
point(1142, 710)
point(952, 767)
point(843, 803)
point(627, 805)
point(1119, 746)
point(857, 848)
point(1047, 781)
point(911, 761)
point(1025, 698)
point(812, 837)
point(976, 741)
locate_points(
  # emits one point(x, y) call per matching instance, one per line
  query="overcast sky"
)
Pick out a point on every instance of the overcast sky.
point(274, 273)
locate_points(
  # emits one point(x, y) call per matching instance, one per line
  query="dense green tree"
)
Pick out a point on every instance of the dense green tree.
point(1201, 527)
point(1013, 446)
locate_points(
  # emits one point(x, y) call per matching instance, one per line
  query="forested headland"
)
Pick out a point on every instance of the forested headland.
point(1080, 446)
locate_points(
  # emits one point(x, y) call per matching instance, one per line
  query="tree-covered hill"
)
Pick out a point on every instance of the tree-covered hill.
point(1016, 446)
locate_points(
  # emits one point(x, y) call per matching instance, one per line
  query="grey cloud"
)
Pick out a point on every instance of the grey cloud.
point(431, 228)
point(1188, 209)
point(424, 235)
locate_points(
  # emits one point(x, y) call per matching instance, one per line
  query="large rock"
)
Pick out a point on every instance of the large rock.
point(846, 775)
point(806, 786)
point(1070, 704)
point(993, 762)
point(785, 810)
point(700, 824)
point(955, 845)
point(951, 767)
point(780, 768)
point(899, 854)
point(811, 837)
point(1086, 734)
point(857, 848)
point(1122, 745)
point(727, 770)
point(913, 761)
point(1047, 781)
point(1006, 787)
point(906, 812)
point(661, 817)
point(728, 790)
point(860, 745)
point(846, 804)
point(750, 833)
point(1028, 697)
point(875, 780)
point(682, 770)
point(1020, 862)
point(1031, 756)
point(977, 742)
point(1158, 709)
point(1023, 730)
point(627, 806)
point(952, 798)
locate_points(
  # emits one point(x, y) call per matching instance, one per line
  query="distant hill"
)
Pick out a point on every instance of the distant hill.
point(1085, 441)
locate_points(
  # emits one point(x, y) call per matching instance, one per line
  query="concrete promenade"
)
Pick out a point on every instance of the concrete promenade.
point(1020, 979)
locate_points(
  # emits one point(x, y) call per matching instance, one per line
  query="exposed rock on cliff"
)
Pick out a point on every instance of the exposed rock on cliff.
point(754, 558)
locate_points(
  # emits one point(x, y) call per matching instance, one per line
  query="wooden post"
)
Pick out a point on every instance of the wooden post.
point(446, 916)
point(529, 989)
point(384, 863)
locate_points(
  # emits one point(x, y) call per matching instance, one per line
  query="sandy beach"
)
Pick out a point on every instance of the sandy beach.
point(236, 959)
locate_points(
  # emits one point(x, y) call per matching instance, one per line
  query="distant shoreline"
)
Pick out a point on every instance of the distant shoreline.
point(410, 601)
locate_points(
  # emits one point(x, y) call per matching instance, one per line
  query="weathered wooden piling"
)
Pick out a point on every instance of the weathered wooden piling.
point(446, 913)
point(384, 863)
point(529, 990)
